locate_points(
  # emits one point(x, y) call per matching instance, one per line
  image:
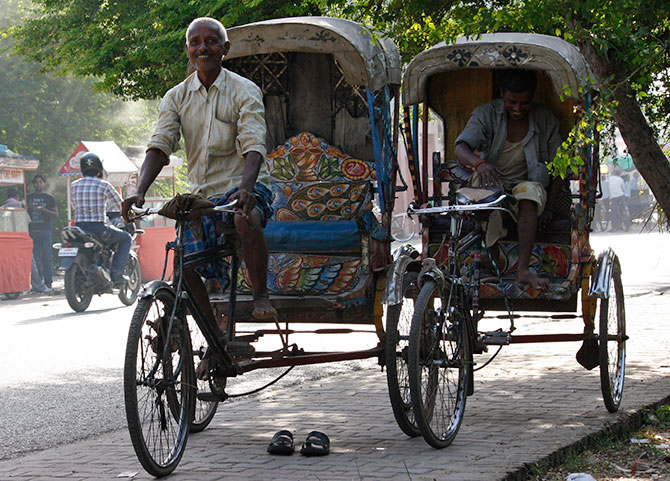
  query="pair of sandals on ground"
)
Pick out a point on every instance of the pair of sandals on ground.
point(316, 444)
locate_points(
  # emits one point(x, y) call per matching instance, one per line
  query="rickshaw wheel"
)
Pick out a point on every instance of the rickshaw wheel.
point(158, 384)
point(439, 364)
point(204, 410)
point(398, 323)
point(612, 337)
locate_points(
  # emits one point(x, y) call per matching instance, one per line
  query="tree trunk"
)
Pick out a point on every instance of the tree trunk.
point(643, 147)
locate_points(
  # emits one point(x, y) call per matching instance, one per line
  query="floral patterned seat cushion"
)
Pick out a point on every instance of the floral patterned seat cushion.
point(315, 185)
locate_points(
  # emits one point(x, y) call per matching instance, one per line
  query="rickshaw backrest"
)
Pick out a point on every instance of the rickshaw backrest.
point(312, 180)
point(317, 237)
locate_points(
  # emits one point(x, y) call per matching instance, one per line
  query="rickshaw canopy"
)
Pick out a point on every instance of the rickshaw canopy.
point(559, 60)
point(365, 61)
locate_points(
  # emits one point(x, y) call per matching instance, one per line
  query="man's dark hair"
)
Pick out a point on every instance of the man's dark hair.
point(517, 81)
point(39, 176)
point(12, 193)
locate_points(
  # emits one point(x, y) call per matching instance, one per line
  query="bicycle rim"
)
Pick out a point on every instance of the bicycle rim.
point(158, 384)
point(439, 363)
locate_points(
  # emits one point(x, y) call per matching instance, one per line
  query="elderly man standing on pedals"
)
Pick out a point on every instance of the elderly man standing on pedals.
point(222, 120)
point(507, 143)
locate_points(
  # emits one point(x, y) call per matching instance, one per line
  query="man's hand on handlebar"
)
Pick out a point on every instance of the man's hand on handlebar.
point(245, 202)
point(137, 200)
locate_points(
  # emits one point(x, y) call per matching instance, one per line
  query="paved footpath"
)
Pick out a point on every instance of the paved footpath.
point(531, 401)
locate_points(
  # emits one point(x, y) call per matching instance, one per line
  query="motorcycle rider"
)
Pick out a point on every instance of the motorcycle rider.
point(90, 195)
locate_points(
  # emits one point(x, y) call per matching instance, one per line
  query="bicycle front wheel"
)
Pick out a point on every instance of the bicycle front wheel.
point(159, 383)
point(398, 323)
point(439, 365)
point(612, 341)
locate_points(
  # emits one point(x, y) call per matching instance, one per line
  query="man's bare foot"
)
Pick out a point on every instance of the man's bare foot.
point(263, 309)
point(530, 279)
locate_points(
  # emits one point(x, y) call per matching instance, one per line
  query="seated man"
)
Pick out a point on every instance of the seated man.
point(221, 117)
point(508, 142)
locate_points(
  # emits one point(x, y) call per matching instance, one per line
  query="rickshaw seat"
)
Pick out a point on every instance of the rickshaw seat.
point(478, 195)
point(340, 236)
point(321, 235)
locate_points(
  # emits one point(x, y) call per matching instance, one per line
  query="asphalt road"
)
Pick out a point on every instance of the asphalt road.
point(62, 376)
point(62, 372)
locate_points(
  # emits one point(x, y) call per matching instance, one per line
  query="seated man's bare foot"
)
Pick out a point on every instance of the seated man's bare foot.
point(202, 370)
point(263, 309)
point(530, 279)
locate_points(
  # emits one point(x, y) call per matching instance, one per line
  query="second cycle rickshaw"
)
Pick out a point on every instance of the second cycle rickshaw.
point(440, 295)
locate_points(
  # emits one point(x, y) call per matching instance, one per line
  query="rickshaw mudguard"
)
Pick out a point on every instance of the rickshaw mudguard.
point(429, 270)
point(602, 274)
point(153, 287)
point(394, 281)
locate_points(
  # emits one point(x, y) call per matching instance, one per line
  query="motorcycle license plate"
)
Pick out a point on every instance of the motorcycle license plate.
point(67, 251)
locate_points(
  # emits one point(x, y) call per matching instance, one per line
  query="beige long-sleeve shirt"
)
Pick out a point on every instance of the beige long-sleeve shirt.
point(218, 125)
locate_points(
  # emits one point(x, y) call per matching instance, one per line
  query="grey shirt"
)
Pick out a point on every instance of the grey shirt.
point(486, 132)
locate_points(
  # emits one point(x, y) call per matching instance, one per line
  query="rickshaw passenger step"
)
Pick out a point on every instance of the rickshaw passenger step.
point(497, 338)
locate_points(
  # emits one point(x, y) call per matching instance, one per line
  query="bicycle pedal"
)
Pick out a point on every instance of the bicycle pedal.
point(240, 349)
point(497, 338)
point(211, 397)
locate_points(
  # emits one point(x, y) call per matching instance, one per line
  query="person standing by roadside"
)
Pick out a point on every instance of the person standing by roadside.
point(41, 208)
point(617, 190)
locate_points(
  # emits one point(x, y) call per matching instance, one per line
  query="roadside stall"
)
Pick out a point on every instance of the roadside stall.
point(17, 246)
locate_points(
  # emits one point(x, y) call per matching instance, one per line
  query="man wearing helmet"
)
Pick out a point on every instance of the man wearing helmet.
point(222, 120)
point(90, 195)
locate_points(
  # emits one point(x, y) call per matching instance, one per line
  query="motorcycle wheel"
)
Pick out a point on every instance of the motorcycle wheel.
point(77, 293)
point(128, 293)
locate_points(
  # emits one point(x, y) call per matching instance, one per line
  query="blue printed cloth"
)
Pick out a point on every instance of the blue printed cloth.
point(205, 237)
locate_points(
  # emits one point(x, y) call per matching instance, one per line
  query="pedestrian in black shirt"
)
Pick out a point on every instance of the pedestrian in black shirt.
point(41, 208)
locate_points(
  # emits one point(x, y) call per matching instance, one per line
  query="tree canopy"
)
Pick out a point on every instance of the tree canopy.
point(46, 116)
point(135, 48)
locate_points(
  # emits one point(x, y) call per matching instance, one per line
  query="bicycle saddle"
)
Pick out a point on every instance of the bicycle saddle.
point(477, 195)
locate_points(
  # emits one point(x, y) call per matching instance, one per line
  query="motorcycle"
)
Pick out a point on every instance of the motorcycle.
point(86, 260)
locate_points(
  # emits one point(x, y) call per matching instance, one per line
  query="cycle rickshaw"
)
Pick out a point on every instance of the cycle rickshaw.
point(439, 295)
point(332, 105)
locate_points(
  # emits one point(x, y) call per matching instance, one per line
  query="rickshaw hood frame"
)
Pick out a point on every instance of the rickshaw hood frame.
point(560, 60)
point(367, 60)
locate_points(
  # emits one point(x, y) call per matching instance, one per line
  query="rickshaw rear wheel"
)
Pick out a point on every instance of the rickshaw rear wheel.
point(158, 384)
point(612, 340)
point(204, 410)
point(398, 324)
point(439, 364)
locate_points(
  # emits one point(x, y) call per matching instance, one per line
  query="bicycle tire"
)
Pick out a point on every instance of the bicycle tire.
point(612, 341)
point(159, 404)
point(439, 364)
point(398, 324)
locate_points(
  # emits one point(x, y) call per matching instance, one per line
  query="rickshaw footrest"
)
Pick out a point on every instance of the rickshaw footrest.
point(497, 338)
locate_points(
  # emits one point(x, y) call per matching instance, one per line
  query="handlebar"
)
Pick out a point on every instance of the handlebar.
point(495, 204)
point(145, 211)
